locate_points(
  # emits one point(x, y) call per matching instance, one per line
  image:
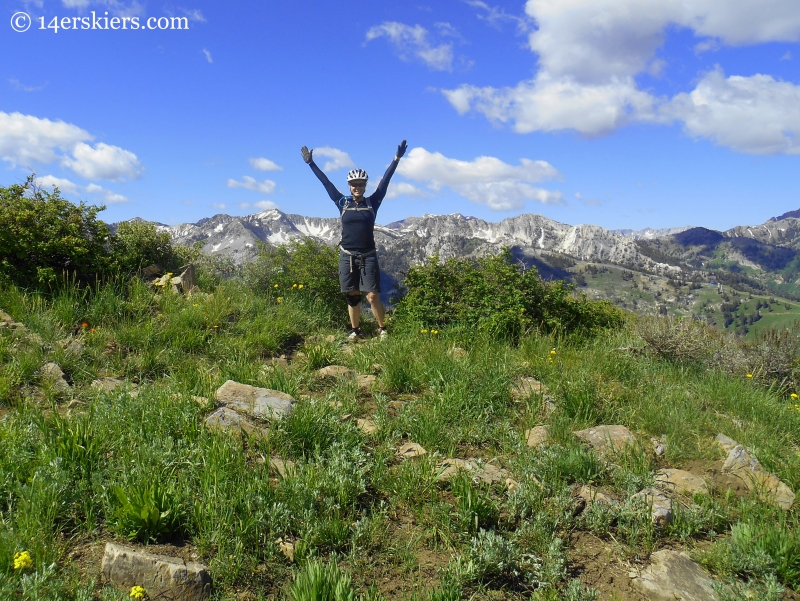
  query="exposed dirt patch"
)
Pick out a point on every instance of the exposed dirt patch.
point(599, 565)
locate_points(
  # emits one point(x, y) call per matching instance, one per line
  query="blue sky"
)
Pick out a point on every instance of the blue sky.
point(620, 113)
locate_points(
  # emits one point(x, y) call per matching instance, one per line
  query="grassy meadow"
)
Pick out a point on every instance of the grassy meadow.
point(82, 467)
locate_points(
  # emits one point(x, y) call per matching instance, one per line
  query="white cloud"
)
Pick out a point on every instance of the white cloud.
point(116, 7)
point(262, 164)
point(188, 203)
point(787, 56)
point(68, 187)
point(414, 42)
point(249, 183)
point(484, 180)
point(208, 56)
point(756, 115)
point(339, 158)
point(21, 87)
point(103, 162)
point(589, 52)
point(25, 139)
point(547, 104)
point(194, 14)
point(494, 16)
point(219, 205)
point(264, 205)
point(405, 189)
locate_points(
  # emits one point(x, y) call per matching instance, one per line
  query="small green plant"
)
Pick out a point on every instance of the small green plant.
point(147, 512)
point(317, 581)
point(474, 507)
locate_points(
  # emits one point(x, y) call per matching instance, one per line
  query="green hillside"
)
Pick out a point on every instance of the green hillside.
point(79, 465)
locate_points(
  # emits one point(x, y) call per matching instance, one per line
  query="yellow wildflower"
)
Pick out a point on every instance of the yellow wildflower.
point(434, 331)
point(294, 286)
point(279, 299)
point(137, 592)
point(275, 286)
point(23, 561)
point(423, 331)
point(300, 286)
point(553, 352)
point(749, 375)
point(793, 395)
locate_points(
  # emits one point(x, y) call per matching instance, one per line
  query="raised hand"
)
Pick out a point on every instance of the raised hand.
point(401, 149)
point(306, 154)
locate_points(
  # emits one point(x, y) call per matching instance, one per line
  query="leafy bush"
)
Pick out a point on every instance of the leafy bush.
point(498, 296)
point(302, 270)
point(43, 235)
point(136, 244)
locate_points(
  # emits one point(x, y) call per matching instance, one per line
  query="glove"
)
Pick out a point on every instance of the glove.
point(306, 154)
point(401, 149)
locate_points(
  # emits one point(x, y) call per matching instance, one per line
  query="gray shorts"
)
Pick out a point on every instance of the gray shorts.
point(359, 273)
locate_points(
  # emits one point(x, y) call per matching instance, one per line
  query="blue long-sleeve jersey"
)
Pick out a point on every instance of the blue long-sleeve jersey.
point(357, 225)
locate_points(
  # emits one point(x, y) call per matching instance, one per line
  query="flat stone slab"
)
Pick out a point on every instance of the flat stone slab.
point(281, 466)
point(744, 466)
point(366, 381)
point(335, 371)
point(110, 384)
point(257, 402)
point(161, 576)
point(525, 387)
point(536, 437)
point(229, 420)
point(681, 482)
point(658, 502)
point(410, 450)
point(367, 426)
point(487, 472)
point(673, 575)
point(607, 439)
point(457, 352)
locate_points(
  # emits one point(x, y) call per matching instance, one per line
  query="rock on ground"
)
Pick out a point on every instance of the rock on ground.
point(257, 402)
point(410, 450)
point(681, 482)
point(607, 439)
point(366, 381)
point(673, 575)
point(586, 495)
point(367, 426)
point(743, 465)
point(229, 421)
point(281, 466)
point(334, 371)
point(51, 373)
point(659, 503)
point(110, 384)
point(536, 436)
point(163, 577)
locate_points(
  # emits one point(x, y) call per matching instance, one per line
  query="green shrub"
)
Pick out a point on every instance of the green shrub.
point(137, 244)
point(495, 295)
point(43, 236)
point(282, 270)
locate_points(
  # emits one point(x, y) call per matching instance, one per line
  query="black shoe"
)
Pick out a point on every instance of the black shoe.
point(355, 334)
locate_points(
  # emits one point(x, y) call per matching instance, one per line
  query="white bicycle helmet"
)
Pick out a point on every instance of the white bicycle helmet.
point(357, 174)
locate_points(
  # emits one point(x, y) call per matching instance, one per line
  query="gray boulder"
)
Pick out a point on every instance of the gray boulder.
point(262, 403)
point(673, 575)
point(162, 577)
